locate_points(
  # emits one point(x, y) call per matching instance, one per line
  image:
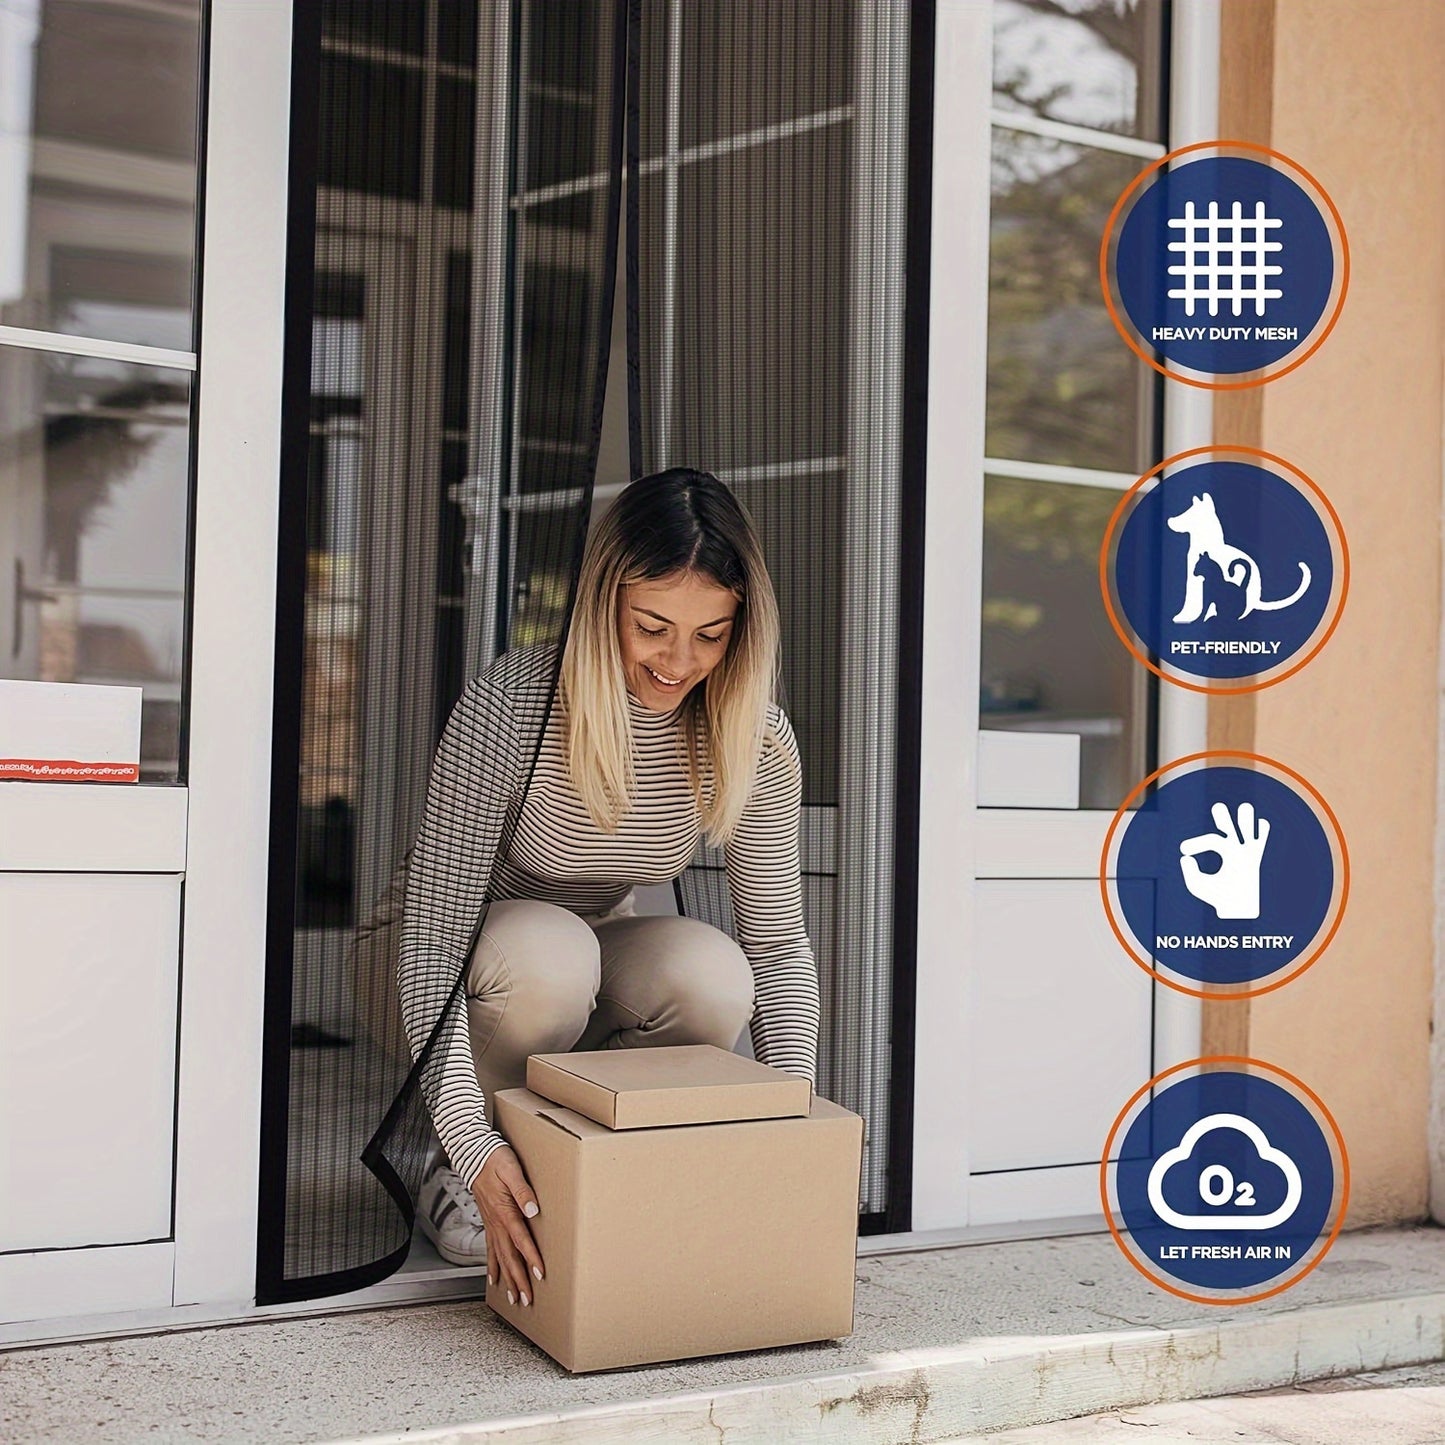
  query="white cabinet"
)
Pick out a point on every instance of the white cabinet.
point(1060, 1025)
point(90, 929)
point(88, 982)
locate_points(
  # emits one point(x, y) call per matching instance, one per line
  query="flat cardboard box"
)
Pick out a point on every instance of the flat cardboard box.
point(673, 1084)
point(69, 732)
point(688, 1239)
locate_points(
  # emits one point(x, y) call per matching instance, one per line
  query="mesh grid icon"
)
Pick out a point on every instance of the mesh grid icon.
point(1225, 258)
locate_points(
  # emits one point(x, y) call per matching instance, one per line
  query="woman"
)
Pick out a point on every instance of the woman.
point(664, 729)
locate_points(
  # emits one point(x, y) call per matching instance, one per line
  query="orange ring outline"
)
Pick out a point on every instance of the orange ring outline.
point(1295, 972)
point(1109, 231)
point(1123, 633)
point(1344, 1178)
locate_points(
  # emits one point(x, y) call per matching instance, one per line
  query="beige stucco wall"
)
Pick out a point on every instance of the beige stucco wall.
point(1355, 96)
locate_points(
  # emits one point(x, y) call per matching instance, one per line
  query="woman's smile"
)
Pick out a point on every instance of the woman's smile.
point(671, 683)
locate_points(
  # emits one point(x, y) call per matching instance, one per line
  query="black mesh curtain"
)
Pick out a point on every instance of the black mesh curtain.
point(457, 184)
point(454, 293)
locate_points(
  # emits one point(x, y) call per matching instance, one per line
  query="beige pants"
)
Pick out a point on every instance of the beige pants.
point(545, 980)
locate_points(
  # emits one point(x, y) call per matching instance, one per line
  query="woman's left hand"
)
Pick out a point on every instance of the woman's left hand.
point(507, 1202)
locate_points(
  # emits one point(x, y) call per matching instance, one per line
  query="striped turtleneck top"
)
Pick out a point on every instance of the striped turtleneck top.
point(558, 854)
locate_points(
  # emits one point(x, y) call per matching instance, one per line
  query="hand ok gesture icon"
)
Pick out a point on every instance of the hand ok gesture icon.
point(1233, 891)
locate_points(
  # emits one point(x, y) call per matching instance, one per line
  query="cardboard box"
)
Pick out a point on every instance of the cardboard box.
point(678, 1240)
point(674, 1084)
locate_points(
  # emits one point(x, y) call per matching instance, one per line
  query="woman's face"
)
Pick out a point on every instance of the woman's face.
point(672, 632)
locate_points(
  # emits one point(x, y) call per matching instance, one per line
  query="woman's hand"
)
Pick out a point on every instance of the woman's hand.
point(507, 1202)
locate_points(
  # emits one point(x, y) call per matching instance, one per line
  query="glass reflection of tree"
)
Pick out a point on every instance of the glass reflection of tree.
point(1084, 39)
point(1061, 387)
point(1056, 526)
point(1041, 553)
point(90, 455)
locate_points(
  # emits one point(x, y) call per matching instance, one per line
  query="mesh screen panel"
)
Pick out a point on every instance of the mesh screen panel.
point(769, 230)
point(454, 430)
point(467, 245)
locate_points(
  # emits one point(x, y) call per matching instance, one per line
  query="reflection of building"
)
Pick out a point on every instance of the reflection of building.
point(980, 1011)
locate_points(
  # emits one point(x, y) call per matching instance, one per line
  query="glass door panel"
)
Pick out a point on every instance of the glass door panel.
point(1051, 663)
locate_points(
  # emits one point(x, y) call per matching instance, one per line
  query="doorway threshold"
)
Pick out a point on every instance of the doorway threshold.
point(426, 1278)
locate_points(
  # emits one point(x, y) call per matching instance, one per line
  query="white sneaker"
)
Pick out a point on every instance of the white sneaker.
point(449, 1217)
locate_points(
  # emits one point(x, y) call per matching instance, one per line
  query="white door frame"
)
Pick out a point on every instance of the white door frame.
point(118, 833)
point(953, 833)
point(233, 628)
point(242, 345)
point(952, 569)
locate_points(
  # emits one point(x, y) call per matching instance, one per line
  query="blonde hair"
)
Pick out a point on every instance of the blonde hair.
point(673, 523)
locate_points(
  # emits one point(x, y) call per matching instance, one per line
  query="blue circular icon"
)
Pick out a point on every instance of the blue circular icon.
point(1225, 265)
point(1226, 1182)
point(1225, 875)
point(1224, 570)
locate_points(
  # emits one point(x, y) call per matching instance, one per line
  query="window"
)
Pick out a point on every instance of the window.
point(97, 350)
point(1072, 415)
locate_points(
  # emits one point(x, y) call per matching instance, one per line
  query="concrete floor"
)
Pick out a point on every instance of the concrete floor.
point(1383, 1407)
point(947, 1342)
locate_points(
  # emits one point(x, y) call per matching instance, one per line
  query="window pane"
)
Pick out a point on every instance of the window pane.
point(1062, 387)
point(749, 66)
point(107, 292)
point(1050, 661)
point(1086, 62)
point(383, 24)
point(759, 379)
point(383, 103)
point(330, 726)
point(456, 135)
point(94, 468)
point(800, 524)
point(557, 304)
point(98, 184)
point(456, 31)
point(559, 141)
point(760, 318)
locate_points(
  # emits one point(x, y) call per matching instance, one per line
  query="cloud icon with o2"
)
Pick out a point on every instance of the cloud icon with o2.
point(1180, 1153)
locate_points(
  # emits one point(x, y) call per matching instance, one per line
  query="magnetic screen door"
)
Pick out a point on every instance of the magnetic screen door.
point(458, 239)
point(422, 394)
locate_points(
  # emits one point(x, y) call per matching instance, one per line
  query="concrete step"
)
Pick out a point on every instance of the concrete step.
point(948, 1395)
point(948, 1342)
point(1383, 1407)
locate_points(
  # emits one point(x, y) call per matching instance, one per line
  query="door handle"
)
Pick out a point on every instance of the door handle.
point(23, 594)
